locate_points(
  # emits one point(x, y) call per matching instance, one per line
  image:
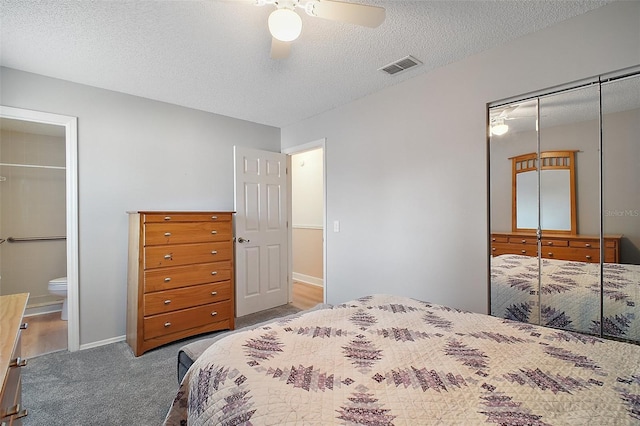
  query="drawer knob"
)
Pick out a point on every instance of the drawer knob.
point(587, 245)
point(214, 251)
point(24, 326)
point(214, 217)
point(18, 362)
point(167, 234)
point(167, 324)
point(214, 272)
point(167, 279)
point(493, 239)
point(214, 232)
point(214, 313)
point(523, 251)
point(588, 257)
point(167, 218)
point(550, 243)
point(214, 293)
point(166, 302)
point(493, 249)
point(550, 254)
point(524, 241)
point(168, 256)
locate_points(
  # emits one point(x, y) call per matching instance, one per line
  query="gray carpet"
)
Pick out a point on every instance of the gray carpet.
point(107, 385)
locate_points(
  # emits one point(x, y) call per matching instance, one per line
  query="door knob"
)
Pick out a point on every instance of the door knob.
point(242, 240)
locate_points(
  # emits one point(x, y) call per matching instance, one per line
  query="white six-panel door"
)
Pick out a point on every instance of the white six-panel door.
point(261, 230)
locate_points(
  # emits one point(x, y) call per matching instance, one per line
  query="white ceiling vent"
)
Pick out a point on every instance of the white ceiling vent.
point(400, 65)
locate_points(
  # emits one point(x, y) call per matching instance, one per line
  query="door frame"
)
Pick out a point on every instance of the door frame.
point(310, 146)
point(71, 143)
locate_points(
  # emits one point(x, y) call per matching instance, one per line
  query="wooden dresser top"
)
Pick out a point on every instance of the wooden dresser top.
point(12, 308)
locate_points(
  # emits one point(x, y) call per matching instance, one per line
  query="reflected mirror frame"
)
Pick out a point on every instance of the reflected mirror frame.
point(550, 160)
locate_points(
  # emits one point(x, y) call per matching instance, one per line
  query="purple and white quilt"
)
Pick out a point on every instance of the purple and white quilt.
point(569, 294)
point(388, 360)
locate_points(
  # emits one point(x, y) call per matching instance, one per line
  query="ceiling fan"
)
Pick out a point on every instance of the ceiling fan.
point(285, 25)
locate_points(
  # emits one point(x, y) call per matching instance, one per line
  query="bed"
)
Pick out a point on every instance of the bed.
point(569, 294)
point(390, 360)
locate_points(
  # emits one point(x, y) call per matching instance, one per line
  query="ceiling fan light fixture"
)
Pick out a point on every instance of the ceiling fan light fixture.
point(499, 128)
point(285, 24)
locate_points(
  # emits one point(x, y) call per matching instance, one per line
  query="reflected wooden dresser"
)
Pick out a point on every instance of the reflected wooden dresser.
point(578, 248)
point(180, 276)
point(11, 314)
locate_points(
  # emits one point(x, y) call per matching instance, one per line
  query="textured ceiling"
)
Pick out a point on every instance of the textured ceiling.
point(214, 55)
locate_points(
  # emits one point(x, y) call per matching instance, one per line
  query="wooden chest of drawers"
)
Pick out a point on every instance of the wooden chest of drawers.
point(12, 308)
point(579, 248)
point(180, 276)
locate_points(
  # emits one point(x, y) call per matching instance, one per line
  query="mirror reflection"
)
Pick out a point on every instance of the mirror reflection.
point(554, 278)
point(554, 172)
point(621, 205)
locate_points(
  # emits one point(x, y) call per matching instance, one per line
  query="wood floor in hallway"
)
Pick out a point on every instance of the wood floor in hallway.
point(306, 296)
point(45, 333)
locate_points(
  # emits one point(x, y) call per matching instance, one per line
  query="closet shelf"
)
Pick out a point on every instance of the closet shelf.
point(33, 166)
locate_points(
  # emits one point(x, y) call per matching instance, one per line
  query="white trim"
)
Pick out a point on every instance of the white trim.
point(103, 342)
point(320, 143)
point(32, 166)
point(294, 226)
point(71, 137)
point(308, 279)
point(41, 310)
point(310, 146)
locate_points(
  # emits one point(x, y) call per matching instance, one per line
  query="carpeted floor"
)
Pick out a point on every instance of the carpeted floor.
point(107, 385)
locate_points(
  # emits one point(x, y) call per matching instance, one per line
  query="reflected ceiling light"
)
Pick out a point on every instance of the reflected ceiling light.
point(285, 24)
point(499, 128)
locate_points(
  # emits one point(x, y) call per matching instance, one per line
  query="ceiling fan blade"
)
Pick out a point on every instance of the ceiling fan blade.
point(280, 49)
point(353, 13)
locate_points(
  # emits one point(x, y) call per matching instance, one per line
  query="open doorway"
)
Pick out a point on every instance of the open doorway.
point(307, 225)
point(40, 177)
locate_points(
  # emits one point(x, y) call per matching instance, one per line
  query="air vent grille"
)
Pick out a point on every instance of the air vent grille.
point(400, 65)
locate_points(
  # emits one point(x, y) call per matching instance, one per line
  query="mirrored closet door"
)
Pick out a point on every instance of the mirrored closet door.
point(563, 193)
point(621, 205)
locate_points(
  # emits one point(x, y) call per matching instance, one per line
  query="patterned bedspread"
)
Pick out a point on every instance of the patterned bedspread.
point(569, 295)
point(387, 360)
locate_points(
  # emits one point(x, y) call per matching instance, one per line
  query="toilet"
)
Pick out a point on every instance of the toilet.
point(58, 287)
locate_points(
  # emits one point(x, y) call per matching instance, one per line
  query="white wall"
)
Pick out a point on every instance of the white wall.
point(407, 166)
point(307, 189)
point(133, 154)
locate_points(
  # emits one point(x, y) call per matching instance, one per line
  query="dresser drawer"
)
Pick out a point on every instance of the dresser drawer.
point(183, 217)
point(186, 254)
point(186, 232)
point(183, 276)
point(595, 244)
point(572, 254)
point(532, 240)
point(11, 394)
point(187, 297)
point(498, 249)
point(172, 322)
point(554, 243)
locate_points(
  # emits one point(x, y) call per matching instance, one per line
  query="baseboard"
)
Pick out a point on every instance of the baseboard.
point(308, 279)
point(43, 309)
point(103, 342)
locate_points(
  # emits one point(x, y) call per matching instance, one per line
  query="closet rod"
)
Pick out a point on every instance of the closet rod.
point(33, 166)
point(25, 239)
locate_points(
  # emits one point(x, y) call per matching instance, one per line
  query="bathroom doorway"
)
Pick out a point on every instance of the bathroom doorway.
point(38, 223)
